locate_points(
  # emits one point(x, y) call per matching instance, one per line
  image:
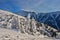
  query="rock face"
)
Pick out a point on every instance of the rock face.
point(24, 25)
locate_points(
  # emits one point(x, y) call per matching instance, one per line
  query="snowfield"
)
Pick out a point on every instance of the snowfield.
point(6, 34)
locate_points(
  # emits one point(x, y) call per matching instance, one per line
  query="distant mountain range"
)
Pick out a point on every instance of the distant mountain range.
point(52, 18)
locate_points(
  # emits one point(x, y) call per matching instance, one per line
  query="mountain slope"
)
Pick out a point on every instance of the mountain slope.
point(24, 25)
point(51, 19)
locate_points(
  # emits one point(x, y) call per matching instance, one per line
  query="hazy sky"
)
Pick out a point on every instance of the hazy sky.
point(33, 5)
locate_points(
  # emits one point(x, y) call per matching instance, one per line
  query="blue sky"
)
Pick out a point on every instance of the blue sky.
point(31, 5)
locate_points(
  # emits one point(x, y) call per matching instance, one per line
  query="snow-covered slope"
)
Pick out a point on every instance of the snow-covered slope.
point(6, 34)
